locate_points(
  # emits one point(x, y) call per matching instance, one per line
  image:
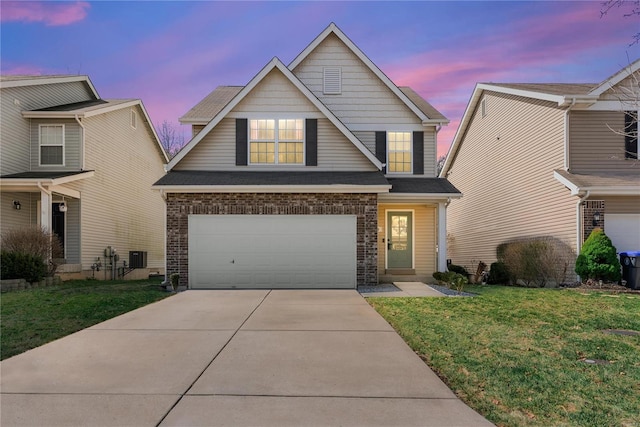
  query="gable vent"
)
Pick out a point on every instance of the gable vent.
point(332, 84)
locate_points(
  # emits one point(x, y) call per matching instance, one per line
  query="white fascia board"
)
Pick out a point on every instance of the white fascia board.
point(560, 99)
point(65, 191)
point(28, 182)
point(333, 28)
point(112, 105)
point(618, 106)
point(597, 190)
point(339, 188)
point(616, 78)
point(435, 122)
point(50, 80)
point(196, 121)
point(462, 128)
point(274, 63)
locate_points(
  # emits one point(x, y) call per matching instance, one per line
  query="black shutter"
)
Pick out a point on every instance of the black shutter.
point(381, 148)
point(418, 153)
point(311, 139)
point(630, 135)
point(242, 142)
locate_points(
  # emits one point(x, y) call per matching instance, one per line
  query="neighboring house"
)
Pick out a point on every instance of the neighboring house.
point(81, 167)
point(320, 174)
point(542, 160)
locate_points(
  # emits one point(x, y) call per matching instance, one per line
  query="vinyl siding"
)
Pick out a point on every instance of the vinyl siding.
point(11, 218)
point(15, 136)
point(594, 146)
point(621, 205)
point(507, 184)
point(627, 89)
point(424, 237)
point(368, 138)
point(365, 100)
point(72, 145)
point(275, 97)
point(118, 207)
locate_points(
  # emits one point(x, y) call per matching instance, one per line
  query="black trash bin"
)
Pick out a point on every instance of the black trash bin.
point(631, 268)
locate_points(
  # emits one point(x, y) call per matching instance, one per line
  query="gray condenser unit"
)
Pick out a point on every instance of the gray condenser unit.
point(137, 259)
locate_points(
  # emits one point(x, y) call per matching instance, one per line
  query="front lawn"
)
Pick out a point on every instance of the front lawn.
point(521, 356)
point(34, 317)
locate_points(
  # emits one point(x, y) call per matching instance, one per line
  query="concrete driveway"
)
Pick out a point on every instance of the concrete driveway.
point(253, 358)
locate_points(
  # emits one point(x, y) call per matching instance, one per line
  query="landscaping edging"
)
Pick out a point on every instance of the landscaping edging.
point(21, 284)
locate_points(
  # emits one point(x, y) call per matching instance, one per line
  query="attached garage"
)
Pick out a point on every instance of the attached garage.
point(624, 231)
point(272, 251)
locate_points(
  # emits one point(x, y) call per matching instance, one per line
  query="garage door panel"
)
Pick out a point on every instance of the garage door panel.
point(624, 231)
point(267, 251)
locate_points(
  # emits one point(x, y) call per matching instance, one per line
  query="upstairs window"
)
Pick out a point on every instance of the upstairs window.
point(276, 141)
point(51, 145)
point(332, 81)
point(631, 134)
point(399, 158)
point(134, 119)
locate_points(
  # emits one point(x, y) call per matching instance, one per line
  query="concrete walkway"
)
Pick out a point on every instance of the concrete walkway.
point(240, 358)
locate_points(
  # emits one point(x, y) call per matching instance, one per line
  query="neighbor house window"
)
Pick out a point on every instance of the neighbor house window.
point(52, 145)
point(399, 159)
point(631, 135)
point(134, 119)
point(483, 107)
point(276, 141)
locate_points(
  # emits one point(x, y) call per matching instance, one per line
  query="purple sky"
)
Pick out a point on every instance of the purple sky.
point(171, 54)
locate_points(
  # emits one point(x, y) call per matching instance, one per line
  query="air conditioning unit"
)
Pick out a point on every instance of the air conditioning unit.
point(138, 259)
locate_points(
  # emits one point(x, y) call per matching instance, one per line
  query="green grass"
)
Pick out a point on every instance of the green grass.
point(517, 355)
point(34, 317)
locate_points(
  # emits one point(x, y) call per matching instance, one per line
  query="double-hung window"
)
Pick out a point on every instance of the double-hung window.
point(52, 145)
point(399, 159)
point(274, 141)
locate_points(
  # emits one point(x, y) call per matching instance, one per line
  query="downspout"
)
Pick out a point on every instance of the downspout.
point(579, 221)
point(566, 135)
point(82, 142)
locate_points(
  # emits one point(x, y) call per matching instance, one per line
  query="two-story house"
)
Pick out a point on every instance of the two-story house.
point(82, 167)
point(319, 174)
point(546, 160)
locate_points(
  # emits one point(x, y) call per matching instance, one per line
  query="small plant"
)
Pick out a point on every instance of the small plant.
point(458, 269)
point(451, 280)
point(174, 279)
point(498, 273)
point(17, 265)
point(598, 259)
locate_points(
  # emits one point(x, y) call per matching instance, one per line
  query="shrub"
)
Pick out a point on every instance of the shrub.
point(451, 279)
point(16, 265)
point(598, 259)
point(536, 261)
point(499, 273)
point(458, 269)
point(34, 241)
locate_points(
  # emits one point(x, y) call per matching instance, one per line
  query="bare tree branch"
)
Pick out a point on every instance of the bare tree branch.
point(171, 140)
point(631, 8)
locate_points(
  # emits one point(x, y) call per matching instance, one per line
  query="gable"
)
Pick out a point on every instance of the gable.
point(627, 90)
point(274, 96)
point(365, 102)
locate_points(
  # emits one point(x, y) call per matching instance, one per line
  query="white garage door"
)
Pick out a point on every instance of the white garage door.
point(272, 251)
point(623, 230)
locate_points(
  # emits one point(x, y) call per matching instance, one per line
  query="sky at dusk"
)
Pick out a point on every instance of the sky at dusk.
point(171, 54)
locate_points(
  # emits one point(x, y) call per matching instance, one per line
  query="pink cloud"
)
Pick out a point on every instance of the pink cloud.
point(49, 13)
point(22, 69)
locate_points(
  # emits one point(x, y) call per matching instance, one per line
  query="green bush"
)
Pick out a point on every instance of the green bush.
point(17, 265)
point(458, 269)
point(598, 259)
point(451, 280)
point(499, 274)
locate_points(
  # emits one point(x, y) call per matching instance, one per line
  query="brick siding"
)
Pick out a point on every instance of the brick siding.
point(590, 207)
point(363, 206)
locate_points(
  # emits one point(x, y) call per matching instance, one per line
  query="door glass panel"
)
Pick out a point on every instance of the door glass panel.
point(399, 235)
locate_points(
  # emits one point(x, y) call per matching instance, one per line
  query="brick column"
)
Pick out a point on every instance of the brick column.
point(589, 208)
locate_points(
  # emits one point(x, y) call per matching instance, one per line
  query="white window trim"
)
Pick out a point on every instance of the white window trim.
point(276, 141)
point(133, 121)
point(40, 144)
point(410, 151)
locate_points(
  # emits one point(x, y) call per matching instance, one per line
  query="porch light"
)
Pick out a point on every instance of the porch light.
point(16, 205)
point(62, 207)
point(596, 218)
